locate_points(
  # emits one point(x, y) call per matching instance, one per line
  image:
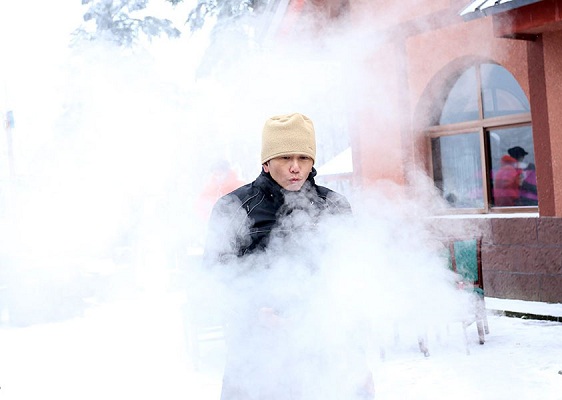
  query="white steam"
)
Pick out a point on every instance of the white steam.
point(311, 313)
point(107, 182)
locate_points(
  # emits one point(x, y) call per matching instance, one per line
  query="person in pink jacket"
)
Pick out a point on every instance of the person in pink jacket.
point(507, 181)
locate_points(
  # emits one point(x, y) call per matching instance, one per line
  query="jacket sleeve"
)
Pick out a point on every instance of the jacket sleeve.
point(226, 231)
point(338, 204)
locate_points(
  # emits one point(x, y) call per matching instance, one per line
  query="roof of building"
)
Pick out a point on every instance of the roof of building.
point(483, 8)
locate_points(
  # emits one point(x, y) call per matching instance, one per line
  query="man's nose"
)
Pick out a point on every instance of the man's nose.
point(295, 165)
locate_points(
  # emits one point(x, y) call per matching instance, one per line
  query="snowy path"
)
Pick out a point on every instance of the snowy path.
point(135, 349)
point(520, 360)
point(132, 349)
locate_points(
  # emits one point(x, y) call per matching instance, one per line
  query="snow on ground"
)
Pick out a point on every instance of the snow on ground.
point(129, 349)
point(136, 348)
point(525, 307)
point(520, 360)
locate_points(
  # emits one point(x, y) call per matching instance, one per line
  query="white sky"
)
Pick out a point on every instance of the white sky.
point(36, 33)
point(33, 34)
point(35, 64)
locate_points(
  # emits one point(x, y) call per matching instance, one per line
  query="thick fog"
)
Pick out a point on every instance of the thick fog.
point(113, 149)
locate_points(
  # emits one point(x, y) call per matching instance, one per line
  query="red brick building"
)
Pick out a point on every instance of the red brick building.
point(470, 90)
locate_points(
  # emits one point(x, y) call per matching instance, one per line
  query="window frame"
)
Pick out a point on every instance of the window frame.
point(481, 126)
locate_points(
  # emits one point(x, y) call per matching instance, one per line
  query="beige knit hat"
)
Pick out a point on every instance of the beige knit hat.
point(288, 134)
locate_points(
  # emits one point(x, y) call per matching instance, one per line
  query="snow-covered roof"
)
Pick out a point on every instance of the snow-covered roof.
point(340, 164)
point(483, 8)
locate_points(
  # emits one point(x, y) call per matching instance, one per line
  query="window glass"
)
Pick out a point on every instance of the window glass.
point(503, 147)
point(513, 175)
point(457, 169)
point(462, 102)
point(501, 94)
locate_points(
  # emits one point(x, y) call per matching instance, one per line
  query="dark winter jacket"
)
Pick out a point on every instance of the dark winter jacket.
point(243, 220)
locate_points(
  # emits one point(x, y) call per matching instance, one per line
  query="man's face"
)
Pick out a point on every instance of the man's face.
point(291, 171)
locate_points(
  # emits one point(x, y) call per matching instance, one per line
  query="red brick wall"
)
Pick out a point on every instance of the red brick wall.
point(522, 259)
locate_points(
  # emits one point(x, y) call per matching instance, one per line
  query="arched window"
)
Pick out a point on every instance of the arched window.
point(482, 146)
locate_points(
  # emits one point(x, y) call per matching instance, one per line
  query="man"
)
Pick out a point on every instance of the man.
point(254, 229)
point(288, 154)
point(519, 154)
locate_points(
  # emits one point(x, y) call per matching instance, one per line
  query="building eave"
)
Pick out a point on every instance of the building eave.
point(484, 8)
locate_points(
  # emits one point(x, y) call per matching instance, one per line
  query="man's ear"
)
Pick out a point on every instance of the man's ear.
point(265, 166)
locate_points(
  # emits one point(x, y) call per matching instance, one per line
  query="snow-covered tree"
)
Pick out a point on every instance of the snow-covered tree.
point(123, 22)
point(224, 10)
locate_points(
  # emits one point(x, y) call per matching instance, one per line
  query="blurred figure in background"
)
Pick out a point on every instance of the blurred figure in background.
point(519, 154)
point(223, 180)
point(528, 193)
point(507, 181)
